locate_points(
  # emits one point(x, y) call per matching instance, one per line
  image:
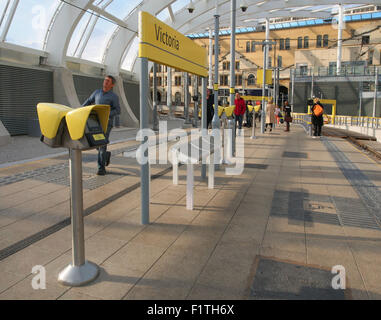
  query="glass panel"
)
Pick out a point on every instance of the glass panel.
point(122, 8)
point(163, 15)
point(131, 55)
point(30, 22)
point(98, 40)
point(178, 5)
point(76, 37)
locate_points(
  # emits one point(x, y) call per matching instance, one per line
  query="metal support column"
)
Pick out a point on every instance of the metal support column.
point(292, 88)
point(203, 122)
point(232, 51)
point(360, 97)
point(339, 39)
point(80, 271)
point(186, 98)
point(375, 91)
point(196, 103)
point(263, 116)
point(144, 170)
point(210, 59)
point(169, 93)
point(154, 100)
point(312, 83)
point(216, 120)
point(232, 63)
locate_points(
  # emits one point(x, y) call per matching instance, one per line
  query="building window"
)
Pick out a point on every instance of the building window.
point(280, 61)
point(238, 78)
point(247, 46)
point(177, 98)
point(365, 40)
point(237, 65)
point(325, 40)
point(269, 62)
point(318, 41)
point(178, 81)
point(226, 65)
point(281, 44)
point(252, 46)
point(223, 80)
point(159, 81)
point(306, 44)
point(219, 49)
point(287, 45)
point(300, 42)
point(250, 80)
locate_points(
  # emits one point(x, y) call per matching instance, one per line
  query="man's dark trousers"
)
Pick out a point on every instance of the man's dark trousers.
point(102, 151)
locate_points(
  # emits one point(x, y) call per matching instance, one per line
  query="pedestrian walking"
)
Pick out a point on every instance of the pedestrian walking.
point(240, 109)
point(287, 115)
point(108, 97)
point(317, 117)
point(209, 107)
point(270, 114)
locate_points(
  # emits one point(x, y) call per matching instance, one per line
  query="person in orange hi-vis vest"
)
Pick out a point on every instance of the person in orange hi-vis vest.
point(317, 117)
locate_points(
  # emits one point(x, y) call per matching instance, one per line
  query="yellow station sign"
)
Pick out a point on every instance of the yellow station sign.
point(269, 76)
point(162, 44)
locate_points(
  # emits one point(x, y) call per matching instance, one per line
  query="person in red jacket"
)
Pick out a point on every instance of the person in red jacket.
point(240, 109)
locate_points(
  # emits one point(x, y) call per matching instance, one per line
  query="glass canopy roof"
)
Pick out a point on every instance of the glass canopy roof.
point(101, 31)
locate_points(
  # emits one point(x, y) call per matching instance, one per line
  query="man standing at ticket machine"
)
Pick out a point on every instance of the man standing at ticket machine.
point(108, 97)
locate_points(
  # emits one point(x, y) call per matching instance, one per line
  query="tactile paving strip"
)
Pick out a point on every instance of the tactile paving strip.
point(59, 173)
point(365, 213)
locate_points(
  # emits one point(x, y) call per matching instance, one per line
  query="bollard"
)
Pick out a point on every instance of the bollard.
point(80, 271)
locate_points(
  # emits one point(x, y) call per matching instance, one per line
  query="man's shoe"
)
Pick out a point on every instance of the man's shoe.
point(108, 157)
point(101, 172)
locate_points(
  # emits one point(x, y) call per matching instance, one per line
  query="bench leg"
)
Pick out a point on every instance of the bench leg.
point(211, 172)
point(175, 166)
point(190, 185)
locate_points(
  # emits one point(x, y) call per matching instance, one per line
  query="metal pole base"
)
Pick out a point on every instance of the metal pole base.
point(76, 276)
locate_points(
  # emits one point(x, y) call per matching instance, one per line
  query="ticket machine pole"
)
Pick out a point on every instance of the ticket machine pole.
point(80, 271)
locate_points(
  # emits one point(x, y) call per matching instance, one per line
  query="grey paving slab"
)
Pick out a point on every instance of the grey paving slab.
point(292, 206)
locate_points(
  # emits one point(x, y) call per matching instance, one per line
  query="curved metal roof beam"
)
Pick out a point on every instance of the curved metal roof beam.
point(121, 39)
point(62, 29)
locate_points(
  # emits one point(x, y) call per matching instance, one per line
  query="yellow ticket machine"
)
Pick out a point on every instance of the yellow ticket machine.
point(76, 129)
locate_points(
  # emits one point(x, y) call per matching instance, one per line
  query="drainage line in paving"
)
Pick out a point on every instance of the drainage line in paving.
point(22, 244)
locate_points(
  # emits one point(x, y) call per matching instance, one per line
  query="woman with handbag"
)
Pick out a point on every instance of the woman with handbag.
point(287, 115)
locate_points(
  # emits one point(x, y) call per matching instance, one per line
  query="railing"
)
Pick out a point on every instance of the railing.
point(352, 70)
point(367, 122)
point(303, 119)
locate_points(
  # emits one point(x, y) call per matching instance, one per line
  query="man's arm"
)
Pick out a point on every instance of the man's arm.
point(90, 100)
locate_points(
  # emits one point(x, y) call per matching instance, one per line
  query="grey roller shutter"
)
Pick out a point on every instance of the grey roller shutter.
point(21, 90)
point(131, 91)
point(85, 86)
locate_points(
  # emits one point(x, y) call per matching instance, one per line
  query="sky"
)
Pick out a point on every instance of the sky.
point(32, 19)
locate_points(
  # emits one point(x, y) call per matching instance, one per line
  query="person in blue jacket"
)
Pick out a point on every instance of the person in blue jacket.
point(108, 97)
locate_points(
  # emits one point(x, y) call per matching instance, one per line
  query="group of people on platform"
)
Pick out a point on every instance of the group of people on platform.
point(274, 114)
